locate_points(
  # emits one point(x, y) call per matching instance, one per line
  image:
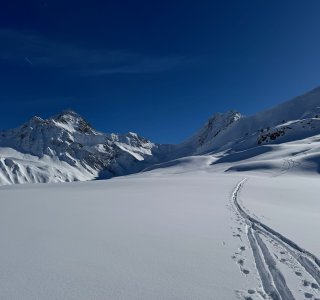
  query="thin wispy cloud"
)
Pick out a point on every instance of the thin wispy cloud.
point(27, 47)
point(28, 61)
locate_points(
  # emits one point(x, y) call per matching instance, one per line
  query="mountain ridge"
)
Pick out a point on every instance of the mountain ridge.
point(39, 149)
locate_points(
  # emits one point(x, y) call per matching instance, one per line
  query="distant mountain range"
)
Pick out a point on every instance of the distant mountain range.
point(66, 147)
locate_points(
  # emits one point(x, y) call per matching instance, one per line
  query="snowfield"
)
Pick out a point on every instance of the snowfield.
point(233, 212)
point(140, 237)
point(171, 233)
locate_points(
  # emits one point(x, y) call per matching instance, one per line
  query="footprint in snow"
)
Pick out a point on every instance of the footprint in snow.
point(314, 286)
point(308, 295)
point(306, 283)
point(245, 271)
point(237, 235)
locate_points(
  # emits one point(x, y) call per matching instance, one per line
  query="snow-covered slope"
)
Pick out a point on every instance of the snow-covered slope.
point(293, 120)
point(67, 148)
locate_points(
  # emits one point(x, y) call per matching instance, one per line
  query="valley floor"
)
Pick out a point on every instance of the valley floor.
point(164, 234)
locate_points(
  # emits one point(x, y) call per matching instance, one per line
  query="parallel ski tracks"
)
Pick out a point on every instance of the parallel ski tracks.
point(273, 281)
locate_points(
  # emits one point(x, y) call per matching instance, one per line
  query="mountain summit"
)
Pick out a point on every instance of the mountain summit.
point(72, 121)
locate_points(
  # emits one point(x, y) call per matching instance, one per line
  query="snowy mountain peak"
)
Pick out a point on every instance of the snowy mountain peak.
point(34, 121)
point(72, 121)
point(216, 124)
point(67, 113)
point(220, 120)
point(209, 135)
point(68, 141)
point(133, 134)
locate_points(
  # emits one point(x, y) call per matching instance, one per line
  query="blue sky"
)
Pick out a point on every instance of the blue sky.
point(159, 68)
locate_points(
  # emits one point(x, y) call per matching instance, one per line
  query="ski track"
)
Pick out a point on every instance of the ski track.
point(273, 281)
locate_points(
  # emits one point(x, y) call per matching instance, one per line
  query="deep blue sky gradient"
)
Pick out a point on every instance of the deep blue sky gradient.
point(159, 68)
